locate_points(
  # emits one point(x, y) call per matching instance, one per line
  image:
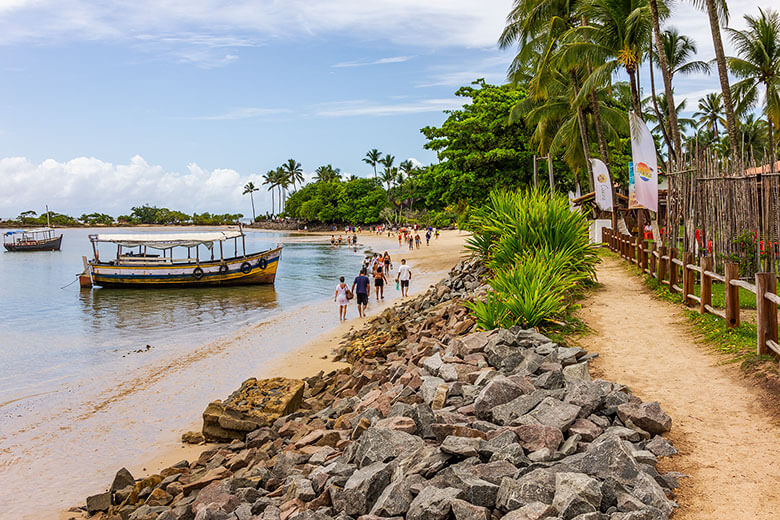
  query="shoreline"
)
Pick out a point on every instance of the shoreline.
point(284, 357)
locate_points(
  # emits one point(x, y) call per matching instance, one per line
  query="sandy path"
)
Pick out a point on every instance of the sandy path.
point(727, 442)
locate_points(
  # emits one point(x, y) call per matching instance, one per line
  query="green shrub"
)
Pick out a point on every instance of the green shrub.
point(539, 253)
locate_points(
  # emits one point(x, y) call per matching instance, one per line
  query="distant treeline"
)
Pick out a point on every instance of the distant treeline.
point(138, 215)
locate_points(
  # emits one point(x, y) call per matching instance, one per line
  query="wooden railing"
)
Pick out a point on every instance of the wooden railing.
point(671, 268)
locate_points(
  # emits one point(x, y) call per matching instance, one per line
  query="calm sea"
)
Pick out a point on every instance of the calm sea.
point(52, 332)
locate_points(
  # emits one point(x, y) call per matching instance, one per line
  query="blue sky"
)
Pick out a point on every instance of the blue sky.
point(179, 103)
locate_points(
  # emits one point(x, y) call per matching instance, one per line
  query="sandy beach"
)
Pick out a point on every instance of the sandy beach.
point(303, 342)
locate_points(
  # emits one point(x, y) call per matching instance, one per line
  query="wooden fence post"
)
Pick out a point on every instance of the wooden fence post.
point(673, 252)
point(732, 295)
point(643, 256)
point(766, 312)
point(687, 277)
point(653, 260)
point(705, 295)
point(661, 263)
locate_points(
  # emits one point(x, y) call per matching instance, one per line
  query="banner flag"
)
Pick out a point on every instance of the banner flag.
point(645, 163)
point(601, 185)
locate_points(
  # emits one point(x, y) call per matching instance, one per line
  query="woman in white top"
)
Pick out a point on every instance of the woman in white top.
point(341, 298)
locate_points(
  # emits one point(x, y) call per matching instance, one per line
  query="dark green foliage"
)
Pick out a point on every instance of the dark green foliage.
point(479, 149)
point(356, 201)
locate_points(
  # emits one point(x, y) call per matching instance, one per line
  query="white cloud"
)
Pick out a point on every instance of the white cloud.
point(244, 113)
point(86, 184)
point(380, 61)
point(433, 23)
point(361, 107)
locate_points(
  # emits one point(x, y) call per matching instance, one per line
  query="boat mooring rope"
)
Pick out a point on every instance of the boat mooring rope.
point(71, 283)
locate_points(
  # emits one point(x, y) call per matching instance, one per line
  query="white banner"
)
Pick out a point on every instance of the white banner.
point(645, 163)
point(601, 185)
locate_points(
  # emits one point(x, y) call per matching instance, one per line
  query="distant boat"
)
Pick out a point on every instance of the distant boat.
point(42, 239)
point(133, 266)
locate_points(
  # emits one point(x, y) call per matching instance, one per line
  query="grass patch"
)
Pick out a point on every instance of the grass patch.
point(738, 344)
point(747, 300)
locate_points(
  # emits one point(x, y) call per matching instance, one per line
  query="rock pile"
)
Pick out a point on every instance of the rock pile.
point(435, 423)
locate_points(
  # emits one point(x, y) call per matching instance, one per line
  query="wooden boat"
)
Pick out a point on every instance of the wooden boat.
point(43, 239)
point(134, 266)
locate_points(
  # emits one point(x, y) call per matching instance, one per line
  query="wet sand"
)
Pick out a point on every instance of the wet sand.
point(149, 414)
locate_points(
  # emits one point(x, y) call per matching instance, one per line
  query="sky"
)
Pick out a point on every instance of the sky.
point(178, 103)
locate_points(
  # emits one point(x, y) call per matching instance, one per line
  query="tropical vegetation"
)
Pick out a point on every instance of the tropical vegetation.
point(538, 252)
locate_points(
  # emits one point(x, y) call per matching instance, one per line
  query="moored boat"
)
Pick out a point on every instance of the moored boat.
point(42, 239)
point(135, 266)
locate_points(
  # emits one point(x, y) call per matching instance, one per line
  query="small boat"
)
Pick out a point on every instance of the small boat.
point(134, 266)
point(42, 239)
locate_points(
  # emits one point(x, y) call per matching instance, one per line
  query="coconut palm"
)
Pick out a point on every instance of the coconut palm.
point(250, 188)
point(710, 113)
point(327, 173)
point(678, 51)
point(390, 173)
point(717, 13)
point(406, 168)
point(752, 139)
point(294, 172)
point(372, 158)
point(758, 64)
point(271, 179)
point(617, 33)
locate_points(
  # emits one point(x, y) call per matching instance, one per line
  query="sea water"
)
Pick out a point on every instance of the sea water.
point(89, 376)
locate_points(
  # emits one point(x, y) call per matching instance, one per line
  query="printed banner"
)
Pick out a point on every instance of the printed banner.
point(645, 163)
point(601, 185)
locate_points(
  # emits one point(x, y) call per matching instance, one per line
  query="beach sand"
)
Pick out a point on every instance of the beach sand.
point(309, 354)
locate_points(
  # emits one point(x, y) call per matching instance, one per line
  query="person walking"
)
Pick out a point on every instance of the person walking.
point(428, 238)
point(360, 287)
point(387, 262)
point(341, 297)
point(417, 240)
point(379, 281)
point(404, 275)
point(411, 242)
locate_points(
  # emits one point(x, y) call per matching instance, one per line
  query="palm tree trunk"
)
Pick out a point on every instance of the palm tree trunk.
point(771, 132)
point(720, 57)
point(583, 132)
point(252, 198)
point(273, 202)
point(667, 76)
point(658, 114)
point(603, 150)
point(635, 94)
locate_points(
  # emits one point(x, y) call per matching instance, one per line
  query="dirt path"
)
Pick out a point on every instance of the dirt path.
point(728, 443)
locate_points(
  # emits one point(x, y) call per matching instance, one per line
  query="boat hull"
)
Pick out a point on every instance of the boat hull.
point(254, 269)
point(52, 244)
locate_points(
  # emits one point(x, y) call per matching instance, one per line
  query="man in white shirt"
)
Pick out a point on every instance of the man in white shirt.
point(404, 275)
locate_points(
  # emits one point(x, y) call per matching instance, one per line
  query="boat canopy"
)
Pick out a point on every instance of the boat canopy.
point(30, 231)
point(168, 240)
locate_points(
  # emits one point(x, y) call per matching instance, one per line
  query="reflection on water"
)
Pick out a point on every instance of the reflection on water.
point(53, 331)
point(161, 309)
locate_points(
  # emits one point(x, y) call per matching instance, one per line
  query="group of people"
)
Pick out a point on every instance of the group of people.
point(379, 267)
point(341, 241)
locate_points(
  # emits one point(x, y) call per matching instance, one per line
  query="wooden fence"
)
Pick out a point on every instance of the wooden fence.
point(680, 273)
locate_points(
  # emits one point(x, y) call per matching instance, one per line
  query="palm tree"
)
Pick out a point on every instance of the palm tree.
point(372, 158)
point(759, 64)
point(250, 188)
point(406, 168)
point(717, 12)
point(294, 172)
point(710, 113)
point(617, 33)
point(327, 173)
point(270, 179)
point(389, 174)
point(284, 179)
point(752, 139)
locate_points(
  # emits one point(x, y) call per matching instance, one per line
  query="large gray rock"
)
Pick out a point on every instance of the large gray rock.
point(650, 493)
point(99, 502)
point(536, 486)
point(363, 488)
point(426, 461)
point(498, 391)
point(423, 417)
point(647, 416)
point(475, 490)
point(587, 395)
point(576, 494)
point(576, 372)
point(606, 457)
point(461, 446)
point(432, 503)
point(660, 447)
point(494, 471)
point(531, 511)
point(122, 479)
point(381, 445)
point(552, 412)
point(463, 510)
point(534, 437)
point(504, 414)
point(432, 364)
point(397, 496)
point(428, 388)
